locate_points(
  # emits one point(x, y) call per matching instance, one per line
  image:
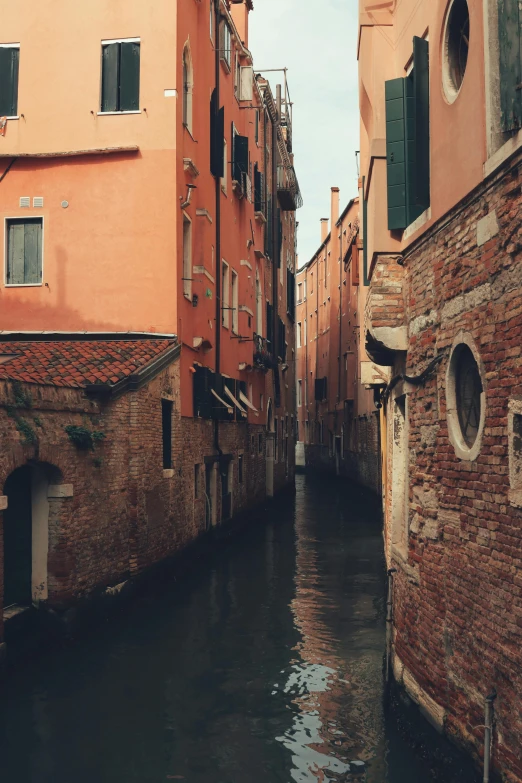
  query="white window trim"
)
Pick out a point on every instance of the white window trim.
point(224, 178)
point(225, 302)
point(107, 42)
point(107, 113)
point(462, 450)
point(188, 283)
point(235, 301)
point(10, 46)
point(23, 217)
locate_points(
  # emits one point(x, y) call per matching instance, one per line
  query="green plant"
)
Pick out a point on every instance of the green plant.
point(37, 420)
point(29, 436)
point(97, 462)
point(22, 398)
point(83, 438)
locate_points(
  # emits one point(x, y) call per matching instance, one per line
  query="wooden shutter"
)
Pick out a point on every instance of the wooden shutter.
point(24, 252)
point(129, 76)
point(203, 382)
point(269, 227)
point(258, 190)
point(166, 426)
point(396, 153)
point(9, 58)
point(509, 39)
point(270, 326)
point(217, 134)
point(240, 157)
point(110, 76)
point(421, 91)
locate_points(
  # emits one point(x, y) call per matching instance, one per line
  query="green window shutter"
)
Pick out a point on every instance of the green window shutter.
point(396, 156)
point(9, 59)
point(240, 157)
point(129, 77)
point(421, 90)
point(110, 76)
point(24, 252)
point(217, 134)
point(509, 39)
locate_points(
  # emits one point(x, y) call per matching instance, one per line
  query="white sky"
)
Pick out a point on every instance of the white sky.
point(316, 40)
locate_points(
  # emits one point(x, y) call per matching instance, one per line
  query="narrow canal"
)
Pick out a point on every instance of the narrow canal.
point(263, 665)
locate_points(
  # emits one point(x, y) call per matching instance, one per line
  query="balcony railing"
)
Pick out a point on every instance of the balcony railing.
point(262, 356)
point(288, 189)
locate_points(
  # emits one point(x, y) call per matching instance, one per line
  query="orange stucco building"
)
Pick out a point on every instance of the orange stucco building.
point(147, 191)
point(441, 110)
point(338, 421)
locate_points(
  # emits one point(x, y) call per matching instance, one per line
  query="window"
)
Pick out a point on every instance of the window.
point(235, 303)
point(299, 393)
point(9, 64)
point(456, 45)
point(120, 75)
point(188, 85)
point(196, 481)
point(166, 422)
point(260, 443)
point(240, 468)
point(225, 295)
point(311, 282)
point(515, 451)
point(187, 257)
point(256, 126)
point(465, 399)
point(226, 44)
point(408, 141)
point(224, 178)
point(24, 251)
point(212, 20)
point(237, 74)
point(299, 334)
point(299, 293)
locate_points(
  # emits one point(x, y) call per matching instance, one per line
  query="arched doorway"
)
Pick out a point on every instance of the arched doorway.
point(26, 531)
point(18, 531)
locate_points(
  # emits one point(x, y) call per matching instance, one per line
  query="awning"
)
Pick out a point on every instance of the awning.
point(244, 399)
point(238, 406)
point(223, 403)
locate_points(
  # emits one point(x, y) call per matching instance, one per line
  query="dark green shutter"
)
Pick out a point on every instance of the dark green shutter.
point(240, 157)
point(269, 227)
point(9, 58)
point(217, 138)
point(509, 22)
point(279, 237)
point(270, 326)
point(421, 90)
point(129, 77)
point(258, 190)
point(110, 76)
point(396, 155)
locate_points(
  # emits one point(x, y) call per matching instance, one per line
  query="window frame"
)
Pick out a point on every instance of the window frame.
point(167, 450)
point(187, 281)
point(224, 51)
point(14, 46)
point(187, 88)
point(23, 218)
point(225, 294)
point(234, 278)
point(108, 42)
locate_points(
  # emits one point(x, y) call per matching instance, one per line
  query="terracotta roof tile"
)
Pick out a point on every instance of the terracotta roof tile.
point(76, 363)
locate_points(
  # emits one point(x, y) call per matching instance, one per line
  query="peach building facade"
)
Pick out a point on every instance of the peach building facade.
point(338, 421)
point(147, 192)
point(440, 107)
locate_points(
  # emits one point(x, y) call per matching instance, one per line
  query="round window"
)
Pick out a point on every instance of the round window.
point(469, 391)
point(465, 399)
point(456, 45)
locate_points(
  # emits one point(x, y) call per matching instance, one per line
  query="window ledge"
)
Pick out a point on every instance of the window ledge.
point(168, 472)
point(13, 118)
point(23, 285)
point(503, 153)
point(115, 113)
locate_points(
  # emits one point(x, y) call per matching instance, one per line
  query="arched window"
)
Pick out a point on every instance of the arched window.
point(188, 85)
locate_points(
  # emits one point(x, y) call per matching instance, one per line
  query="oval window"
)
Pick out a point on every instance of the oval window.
point(469, 391)
point(456, 44)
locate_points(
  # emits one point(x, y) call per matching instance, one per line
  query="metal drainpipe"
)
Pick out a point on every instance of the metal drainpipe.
point(340, 310)
point(488, 733)
point(389, 622)
point(217, 66)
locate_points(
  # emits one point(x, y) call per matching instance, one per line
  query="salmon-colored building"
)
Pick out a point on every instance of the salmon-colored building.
point(441, 114)
point(338, 420)
point(147, 191)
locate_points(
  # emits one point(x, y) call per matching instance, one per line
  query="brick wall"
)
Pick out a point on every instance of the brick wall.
point(458, 590)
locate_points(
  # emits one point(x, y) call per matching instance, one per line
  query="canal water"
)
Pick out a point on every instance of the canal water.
point(261, 665)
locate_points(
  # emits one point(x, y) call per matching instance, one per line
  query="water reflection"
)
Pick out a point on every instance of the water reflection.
point(262, 666)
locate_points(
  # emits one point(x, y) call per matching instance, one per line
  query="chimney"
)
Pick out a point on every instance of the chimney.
point(334, 209)
point(324, 229)
point(239, 10)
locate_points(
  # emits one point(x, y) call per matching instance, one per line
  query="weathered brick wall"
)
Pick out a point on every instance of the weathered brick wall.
point(457, 603)
point(126, 512)
point(385, 302)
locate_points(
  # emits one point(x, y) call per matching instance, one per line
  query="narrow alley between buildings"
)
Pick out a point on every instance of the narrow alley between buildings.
point(263, 664)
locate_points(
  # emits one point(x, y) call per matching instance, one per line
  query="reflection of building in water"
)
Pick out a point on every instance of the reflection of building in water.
point(337, 670)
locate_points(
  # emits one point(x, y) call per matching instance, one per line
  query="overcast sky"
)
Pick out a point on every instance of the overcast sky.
point(316, 40)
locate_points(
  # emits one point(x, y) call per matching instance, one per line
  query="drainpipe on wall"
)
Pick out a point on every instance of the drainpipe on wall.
point(217, 66)
point(340, 310)
point(488, 733)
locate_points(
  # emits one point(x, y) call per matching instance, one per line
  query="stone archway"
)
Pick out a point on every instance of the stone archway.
point(30, 492)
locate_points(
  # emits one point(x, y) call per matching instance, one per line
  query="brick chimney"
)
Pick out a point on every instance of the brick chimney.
point(334, 209)
point(324, 229)
point(239, 10)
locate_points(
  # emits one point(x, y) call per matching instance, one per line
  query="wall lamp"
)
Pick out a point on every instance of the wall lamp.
point(187, 201)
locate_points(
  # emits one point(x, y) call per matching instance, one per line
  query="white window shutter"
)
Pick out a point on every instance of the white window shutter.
point(246, 87)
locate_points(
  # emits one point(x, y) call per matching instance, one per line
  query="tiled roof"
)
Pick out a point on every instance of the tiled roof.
point(77, 363)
